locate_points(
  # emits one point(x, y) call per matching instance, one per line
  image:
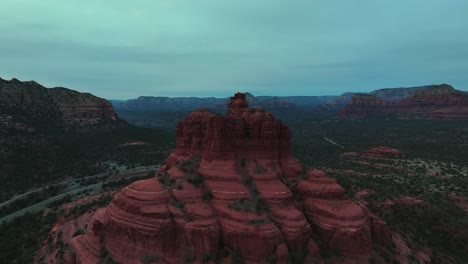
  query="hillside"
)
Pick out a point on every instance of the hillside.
point(51, 133)
point(29, 105)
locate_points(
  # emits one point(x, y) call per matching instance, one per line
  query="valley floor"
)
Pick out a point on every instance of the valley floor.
point(74, 188)
point(423, 196)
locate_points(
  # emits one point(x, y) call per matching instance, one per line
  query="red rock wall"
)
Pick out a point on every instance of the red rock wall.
point(438, 102)
point(340, 223)
point(247, 134)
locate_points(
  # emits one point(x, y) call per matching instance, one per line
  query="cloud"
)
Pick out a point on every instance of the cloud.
point(124, 49)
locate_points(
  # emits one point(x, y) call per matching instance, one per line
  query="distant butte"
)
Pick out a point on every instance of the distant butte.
point(430, 102)
point(382, 152)
point(231, 189)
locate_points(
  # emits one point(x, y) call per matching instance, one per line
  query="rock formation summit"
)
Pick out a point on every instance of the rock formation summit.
point(231, 190)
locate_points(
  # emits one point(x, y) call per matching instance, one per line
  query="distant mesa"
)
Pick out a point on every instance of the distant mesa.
point(429, 102)
point(232, 190)
point(156, 103)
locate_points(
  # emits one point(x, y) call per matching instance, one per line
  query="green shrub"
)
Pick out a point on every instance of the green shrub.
point(207, 196)
point(148, 259)
point(196, 179)
point(78, 232)
point(188, 218)
point(260, 221)
point(178, 204)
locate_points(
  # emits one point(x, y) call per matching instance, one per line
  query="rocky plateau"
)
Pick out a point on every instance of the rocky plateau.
point(430, 102)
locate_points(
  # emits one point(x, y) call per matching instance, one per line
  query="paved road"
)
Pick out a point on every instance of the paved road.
point(99, 175)
point(42, 188)
point(136, 172)
point(333, 142)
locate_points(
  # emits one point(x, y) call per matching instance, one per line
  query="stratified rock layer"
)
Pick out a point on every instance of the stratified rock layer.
point(229, 190)
point(435, 102)
point(58, 105)
point(381, 152)
point(341, 224)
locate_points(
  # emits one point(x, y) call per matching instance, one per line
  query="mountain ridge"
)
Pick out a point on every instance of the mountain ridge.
point(58, 106)
point(433, 102)
point(265, 101)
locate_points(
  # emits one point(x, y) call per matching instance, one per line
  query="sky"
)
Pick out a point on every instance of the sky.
point(121, 49)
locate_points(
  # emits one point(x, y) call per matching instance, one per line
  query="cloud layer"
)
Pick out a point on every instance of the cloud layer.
point(121, 49)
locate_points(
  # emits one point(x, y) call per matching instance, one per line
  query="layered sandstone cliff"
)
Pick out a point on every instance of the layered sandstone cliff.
point(231, 190)
point(64, 107)
point(435, 102)
point(382, 152)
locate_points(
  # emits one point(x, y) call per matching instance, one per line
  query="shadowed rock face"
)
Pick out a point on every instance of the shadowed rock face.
point(64, 106)
point(79, 108)
point(230, 186)
point(436, 102)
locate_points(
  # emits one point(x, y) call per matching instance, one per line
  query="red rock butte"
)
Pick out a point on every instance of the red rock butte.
point(382, 152)
point(435, 102)
point(231, 189)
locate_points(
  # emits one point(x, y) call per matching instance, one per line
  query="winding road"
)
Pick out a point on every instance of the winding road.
point(131, 173)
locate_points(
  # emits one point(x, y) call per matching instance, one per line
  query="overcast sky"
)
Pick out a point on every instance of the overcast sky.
point(121, 49)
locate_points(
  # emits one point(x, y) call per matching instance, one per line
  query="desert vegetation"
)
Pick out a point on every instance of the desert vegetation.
point(432, 174)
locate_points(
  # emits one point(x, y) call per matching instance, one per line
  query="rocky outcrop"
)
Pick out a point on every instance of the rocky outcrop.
point(137, 222)
point(435, 102)
point(81, 108)
point(54, 106)
point(398, 94)
point(382, 152)
point(362, 105)
point(231, 189)
point(340, 223)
